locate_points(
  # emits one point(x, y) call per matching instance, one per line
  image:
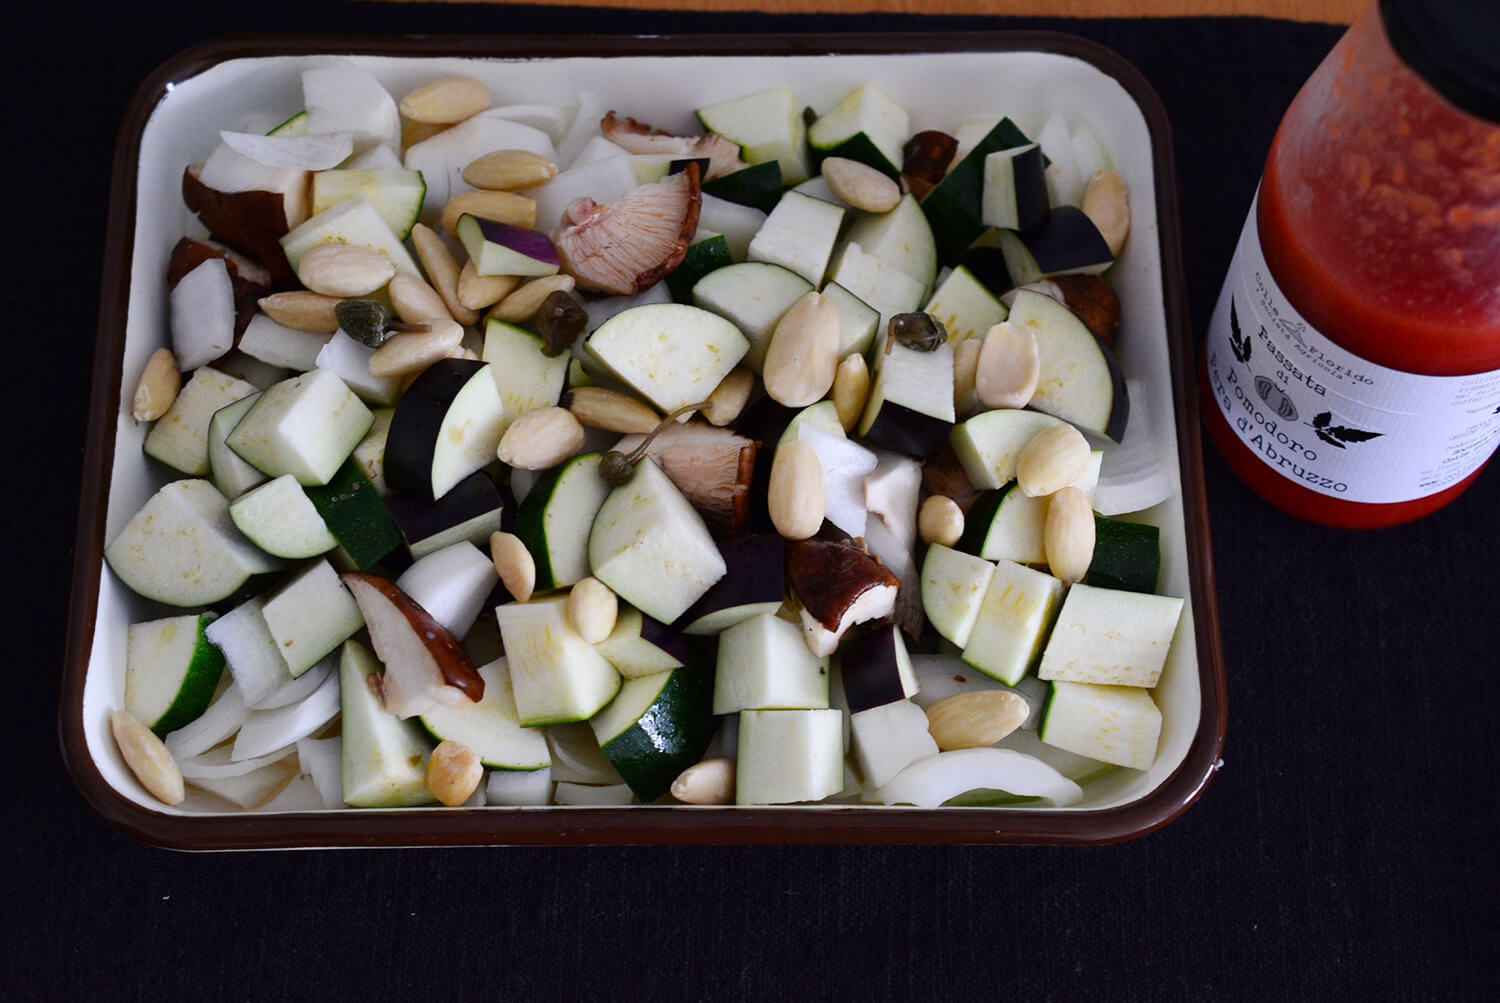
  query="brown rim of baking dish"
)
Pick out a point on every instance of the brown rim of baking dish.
point(633, 825)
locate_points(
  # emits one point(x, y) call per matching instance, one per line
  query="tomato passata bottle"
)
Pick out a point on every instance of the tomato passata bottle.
point(1352, 366)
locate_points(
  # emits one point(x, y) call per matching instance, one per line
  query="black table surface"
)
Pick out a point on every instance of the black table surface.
point(1347, 848)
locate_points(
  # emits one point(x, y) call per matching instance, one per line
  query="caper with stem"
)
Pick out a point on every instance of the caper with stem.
point(560, 321)
point(368, 322)
point(617, 467)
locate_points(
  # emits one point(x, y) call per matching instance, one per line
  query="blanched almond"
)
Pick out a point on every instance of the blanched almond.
point(453, 772)
point(477, 291)
point(708, 782)
point(804, 352)
point(976, 719)
point(851, 389)
point(796, 496)
point(940, 521)
point(415, 301)
point(1054, 458)
point(1106, 201)
point(592, 609)
point(541, 439)
point(861, 185)
point(729, 397)
point(514, 564)
point(1068, 535)
point(147, 757)
point(414, 352)
point(502, 207)
point(446, 101)
point(522, 305)
point(158, 387)
point(443, 271)
point(611, 411)
point(344, 271)
point(510, 170)
point(302, 310)
point(1008, 367)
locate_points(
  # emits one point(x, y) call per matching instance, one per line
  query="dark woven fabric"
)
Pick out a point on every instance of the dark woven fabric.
point(1347, 849)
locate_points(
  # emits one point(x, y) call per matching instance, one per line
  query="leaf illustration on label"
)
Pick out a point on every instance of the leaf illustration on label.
point(1237, 340)
point(1337, 435)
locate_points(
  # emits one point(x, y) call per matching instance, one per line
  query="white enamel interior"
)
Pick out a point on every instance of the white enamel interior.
point(940, 90)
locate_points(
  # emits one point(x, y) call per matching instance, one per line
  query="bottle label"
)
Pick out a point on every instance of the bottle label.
point(1324, 417)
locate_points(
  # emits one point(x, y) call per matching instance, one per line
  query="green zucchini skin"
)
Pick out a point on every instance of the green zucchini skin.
point(758, 186)
point(955, 207)
point(669, 737)
point(1127, 556)
point(356, 515)
point(701, 258)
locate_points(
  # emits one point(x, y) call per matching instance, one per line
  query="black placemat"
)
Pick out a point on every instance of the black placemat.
point(1345, 850)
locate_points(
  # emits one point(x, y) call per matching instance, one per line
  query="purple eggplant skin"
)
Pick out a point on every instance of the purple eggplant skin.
point(871, 674)
point(420, 519)
point(756, 573)
point(418, 422)
point(687, 650)
point(904, 430)
point(532, 243)
point(1067, 240)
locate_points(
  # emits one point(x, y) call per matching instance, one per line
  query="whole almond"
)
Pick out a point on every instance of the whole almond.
point(1068, 534)
point(414, 352)
point(965, 368)
point(1054, 458)
point(158, 387)
point(302, 310)
point(730, 397)
point(445, 101)
point(415, 301)
point(610, 410)
point(522, 305)
point(861, 185)
point(510, 171)
point(795, 494)
point(477, 291)
point(343, 270)
point(940, 521)
point(592, 609)
point(851, 389)
point(804, 352)
point(1106, 201)
point(453, 772)
point(976, 719)
point(442, 270)
point(1008, 368)
point(541, 439)
point(708, 782)
point(514, 564)
point(502, 207)
point(147, 757)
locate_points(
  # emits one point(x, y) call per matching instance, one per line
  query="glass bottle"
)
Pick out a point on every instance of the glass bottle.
point(1351, 373)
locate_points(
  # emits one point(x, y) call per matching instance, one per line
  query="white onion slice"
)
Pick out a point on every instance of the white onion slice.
point(929, 782)
point(1132, 476)
point(519, 787)
point(265, 730)
point(591, 794)
point(322, 759)
point(296, 153)
point(254, 788)
point(216, 764)
point(222, 718)
point(576, 757)
point(301, 687)
point(202, 315)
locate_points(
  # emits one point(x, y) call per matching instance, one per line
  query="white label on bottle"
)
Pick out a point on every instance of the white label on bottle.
point(1326, 418)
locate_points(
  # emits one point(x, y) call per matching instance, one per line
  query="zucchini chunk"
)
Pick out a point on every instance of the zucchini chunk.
point(765, 126)
point(556, 675)
point(171, 671)
point(305, 426)
point(1013, 621)
point(180, 437)
point(953, 589)
point(555, 519)
point(670, 353)
point(867, 126)
point(789, 756)
point(384, 757)
point(656, 727)
point(1113, 724)
point(1109, 636)
point(491, 726)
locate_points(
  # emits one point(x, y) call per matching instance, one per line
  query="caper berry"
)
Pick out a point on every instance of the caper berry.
point(560, 321)
point(366, 321)
point(615, 467)
point(920, 332)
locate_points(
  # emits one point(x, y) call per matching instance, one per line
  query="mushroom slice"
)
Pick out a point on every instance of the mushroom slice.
point(624, 248)
point(838, 585)
point(712, 467)
point(638, 137)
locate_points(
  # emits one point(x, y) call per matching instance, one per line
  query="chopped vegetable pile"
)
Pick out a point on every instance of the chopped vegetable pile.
point(523, 457)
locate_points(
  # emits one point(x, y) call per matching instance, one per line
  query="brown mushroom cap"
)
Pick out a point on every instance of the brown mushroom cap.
point(828, 577)
point(637, 137)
